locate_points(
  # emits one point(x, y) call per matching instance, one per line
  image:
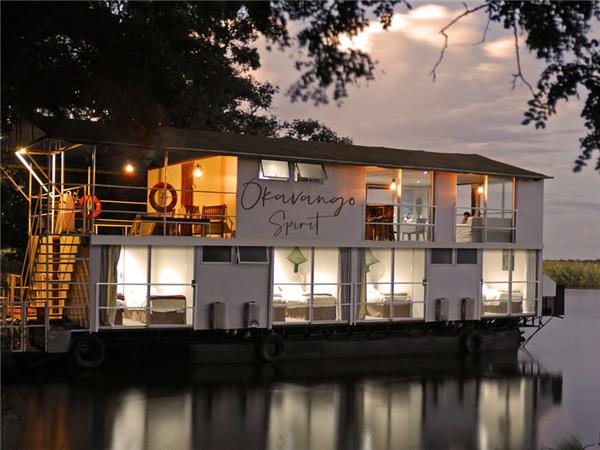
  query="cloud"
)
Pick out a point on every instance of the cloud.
point(421, 24)
point(502, 48)
point(471, 108)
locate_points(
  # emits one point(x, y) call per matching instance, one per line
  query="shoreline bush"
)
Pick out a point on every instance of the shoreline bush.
point(574, 273)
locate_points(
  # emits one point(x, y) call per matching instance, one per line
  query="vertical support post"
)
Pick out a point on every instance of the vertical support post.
point(165, 166)
point(93, 188)
point(29, 208)
point(53, 180)
point(312, 285)
point(148, 285)
point(86, 191)
point(47, 265)
point(62, 174)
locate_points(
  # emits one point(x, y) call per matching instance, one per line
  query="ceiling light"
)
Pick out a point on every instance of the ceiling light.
point(393, 185)
point(198, 171)
point(129, 168)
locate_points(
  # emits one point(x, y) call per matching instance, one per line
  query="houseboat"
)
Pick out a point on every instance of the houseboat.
point(286, 248)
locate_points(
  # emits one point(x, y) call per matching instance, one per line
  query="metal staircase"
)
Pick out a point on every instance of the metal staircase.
point(54, 272)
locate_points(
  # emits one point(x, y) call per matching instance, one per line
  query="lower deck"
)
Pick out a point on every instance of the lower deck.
point(78, 287)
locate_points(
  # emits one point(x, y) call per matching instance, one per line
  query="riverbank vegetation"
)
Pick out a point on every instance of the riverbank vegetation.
point(574, 273)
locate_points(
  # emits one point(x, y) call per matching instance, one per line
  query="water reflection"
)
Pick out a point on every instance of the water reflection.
point(423, 403)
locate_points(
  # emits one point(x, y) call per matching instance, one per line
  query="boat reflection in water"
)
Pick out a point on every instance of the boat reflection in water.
point(430, 403)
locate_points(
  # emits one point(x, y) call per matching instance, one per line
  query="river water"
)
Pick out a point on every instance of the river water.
point(528, 400)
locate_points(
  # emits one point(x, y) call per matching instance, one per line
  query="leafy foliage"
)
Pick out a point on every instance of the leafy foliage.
point(574, 273)
point(189, 64)
point(559, 33)
point(311, 130)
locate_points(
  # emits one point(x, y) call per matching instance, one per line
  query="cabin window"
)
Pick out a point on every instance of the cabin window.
point(292, 279)
point(509, 282)
point(252, 255)
point(466, 256)
point(484, 208)
point(216, 254)
point(132, 290)
point(399, 204)
point(171, 288)
point(309, 285)
point(274, 170)
point(394, 284)
point(309, 172)
point(154, 287)
point(441, 256)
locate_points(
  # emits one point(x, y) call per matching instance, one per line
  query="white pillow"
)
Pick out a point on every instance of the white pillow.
point(291, 291)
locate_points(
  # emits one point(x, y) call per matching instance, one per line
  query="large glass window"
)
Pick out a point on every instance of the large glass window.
point(308, 285)
point(509, 283)
point(394, 286)
point(171, 291)
point(132, 276)
point(154, 286)
point(399, 204)
point(484, 208)
point(292, 279)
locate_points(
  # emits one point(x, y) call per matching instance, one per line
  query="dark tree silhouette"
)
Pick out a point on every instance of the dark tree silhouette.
point(188, 64)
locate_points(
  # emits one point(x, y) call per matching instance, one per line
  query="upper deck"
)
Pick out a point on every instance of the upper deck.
point(187, 186)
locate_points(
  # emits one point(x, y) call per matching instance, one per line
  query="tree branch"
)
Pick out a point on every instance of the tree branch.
point(467, 11)
point(519, 75)
point(485, 32)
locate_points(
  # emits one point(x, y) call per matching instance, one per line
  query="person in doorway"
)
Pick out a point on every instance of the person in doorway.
point(466, 216)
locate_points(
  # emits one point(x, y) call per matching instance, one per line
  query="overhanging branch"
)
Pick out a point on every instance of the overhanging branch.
point(465, 13)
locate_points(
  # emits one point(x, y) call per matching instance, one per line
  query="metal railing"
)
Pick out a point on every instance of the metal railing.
point(167, 309)
point(302, 303)
point(311, 302)
point(485, 224)
point(406, 223)
point(509, 298)
point(128, 210)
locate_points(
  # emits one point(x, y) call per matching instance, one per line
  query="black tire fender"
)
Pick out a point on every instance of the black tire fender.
point(271, 348)
point(473, 341)
point(88, 351)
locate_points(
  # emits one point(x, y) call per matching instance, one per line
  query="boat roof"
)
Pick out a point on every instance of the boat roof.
point(209, 142)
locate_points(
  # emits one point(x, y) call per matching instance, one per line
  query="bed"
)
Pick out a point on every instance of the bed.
point(292, 303)
point(164, 310)
point(378, 304)
point(495, 301)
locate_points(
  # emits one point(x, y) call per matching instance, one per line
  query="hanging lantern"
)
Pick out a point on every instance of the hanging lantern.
point(296, 258)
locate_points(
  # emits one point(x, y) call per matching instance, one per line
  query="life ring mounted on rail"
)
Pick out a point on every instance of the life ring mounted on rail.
point(161, 205)
point(86, 200)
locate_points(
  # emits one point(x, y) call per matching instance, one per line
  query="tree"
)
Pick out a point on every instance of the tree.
point(559, 33)
point(311, 130)
point(188, 64)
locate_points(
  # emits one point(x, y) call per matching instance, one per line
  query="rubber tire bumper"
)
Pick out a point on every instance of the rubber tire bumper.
point(88, 351)
point(473, 341)
point(271, 348)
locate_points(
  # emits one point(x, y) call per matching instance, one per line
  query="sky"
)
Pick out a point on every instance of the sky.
point(470, 108)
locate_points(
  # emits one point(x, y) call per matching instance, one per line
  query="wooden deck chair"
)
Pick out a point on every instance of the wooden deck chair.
point(217, 216)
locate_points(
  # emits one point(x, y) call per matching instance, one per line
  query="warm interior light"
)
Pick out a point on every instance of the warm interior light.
point(393, 185)
point(425, 172)
point(22, 151)
point(197, 171)
point(480, 190)
point(129, 168)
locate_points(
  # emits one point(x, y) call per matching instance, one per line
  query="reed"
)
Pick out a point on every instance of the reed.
point(574, 274)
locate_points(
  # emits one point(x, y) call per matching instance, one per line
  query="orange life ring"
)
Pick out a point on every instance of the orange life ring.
point(97, 206)
point(160, 186)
